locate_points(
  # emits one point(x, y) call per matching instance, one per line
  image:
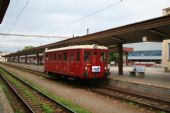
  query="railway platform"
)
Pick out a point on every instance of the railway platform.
point(155, 83)
point(35, 67)
point(5, 107)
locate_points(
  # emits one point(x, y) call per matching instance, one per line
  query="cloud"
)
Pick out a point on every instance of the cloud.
point(45, 17)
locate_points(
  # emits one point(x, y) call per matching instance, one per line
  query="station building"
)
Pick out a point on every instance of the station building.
point(146, 53)
point(166, 55)
point(2, 59)
point(166, 47)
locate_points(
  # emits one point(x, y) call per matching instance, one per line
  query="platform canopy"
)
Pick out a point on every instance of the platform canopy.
point(154, 30)
point(3, 7)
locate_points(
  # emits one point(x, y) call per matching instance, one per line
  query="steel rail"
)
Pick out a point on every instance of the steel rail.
point(39, 92)
point(118, 90)
point(141, 100)
point(29, 109)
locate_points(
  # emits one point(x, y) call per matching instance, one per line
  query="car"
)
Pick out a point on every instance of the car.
point(79, 61)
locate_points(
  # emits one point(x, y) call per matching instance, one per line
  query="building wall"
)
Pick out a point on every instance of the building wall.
point(166, 55)
point(166, 11)
point(150, 52)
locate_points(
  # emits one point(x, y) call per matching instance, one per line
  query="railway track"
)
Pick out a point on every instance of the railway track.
point(121, 94)
point(33, 100)
point(19, 103)
point(141, 100)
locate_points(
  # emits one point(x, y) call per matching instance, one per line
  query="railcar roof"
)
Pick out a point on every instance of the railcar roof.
point(77, 47)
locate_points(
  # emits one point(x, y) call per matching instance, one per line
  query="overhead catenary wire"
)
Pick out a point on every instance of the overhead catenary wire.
point(29, 35)
point(43, 36)
point(60, 12)
point(93, 13)
point(19, 15)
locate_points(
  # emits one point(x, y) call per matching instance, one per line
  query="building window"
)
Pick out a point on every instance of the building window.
point(146, 53)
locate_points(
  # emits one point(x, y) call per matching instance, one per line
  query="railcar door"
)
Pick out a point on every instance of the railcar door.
point(72, 63)
point(94, 58)
point(95, 64)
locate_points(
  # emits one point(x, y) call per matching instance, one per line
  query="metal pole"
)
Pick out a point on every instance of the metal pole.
point(120, 59)
point(126, 58)
point(26, 59)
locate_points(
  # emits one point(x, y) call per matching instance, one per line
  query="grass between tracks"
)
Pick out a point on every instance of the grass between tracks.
point(76, 108)
point(28, 93)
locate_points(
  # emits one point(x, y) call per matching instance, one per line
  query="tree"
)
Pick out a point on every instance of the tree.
point(27, 47)
point(112, 56)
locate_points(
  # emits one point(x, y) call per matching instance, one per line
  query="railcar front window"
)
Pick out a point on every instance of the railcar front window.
point(87, 56)
point(102, 56)
point(78, 56)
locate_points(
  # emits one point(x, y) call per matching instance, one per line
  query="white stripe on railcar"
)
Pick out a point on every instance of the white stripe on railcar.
point(77, 47)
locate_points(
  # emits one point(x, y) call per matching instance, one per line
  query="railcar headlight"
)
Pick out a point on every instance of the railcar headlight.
point(105, 68)
point(108, 66)
point(86, 68)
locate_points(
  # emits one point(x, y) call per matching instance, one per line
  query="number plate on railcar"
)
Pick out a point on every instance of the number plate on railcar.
point(95, 68)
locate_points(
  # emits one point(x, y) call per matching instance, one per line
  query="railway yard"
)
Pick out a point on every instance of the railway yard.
point(105, 98)
point(123, 69)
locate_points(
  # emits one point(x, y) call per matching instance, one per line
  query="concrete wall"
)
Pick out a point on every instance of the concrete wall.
point(165, 55)
point(156, 92)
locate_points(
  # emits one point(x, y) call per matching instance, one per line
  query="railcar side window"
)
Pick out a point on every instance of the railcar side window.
point(102, 56)
point(87, 56)
point(59, 56)
point(72, 56)
point(65, 56)
point(54, 56)
point(95, 53)
point(78, 56)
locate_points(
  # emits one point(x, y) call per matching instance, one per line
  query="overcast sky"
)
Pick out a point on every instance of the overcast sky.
point(59, 17)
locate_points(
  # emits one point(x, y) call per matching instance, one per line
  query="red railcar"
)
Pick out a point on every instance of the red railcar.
point(81, 61)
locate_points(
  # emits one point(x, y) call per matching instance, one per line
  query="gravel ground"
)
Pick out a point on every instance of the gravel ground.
point(94, 102)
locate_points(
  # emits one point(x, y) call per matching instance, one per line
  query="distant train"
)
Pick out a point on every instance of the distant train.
point(81, 61)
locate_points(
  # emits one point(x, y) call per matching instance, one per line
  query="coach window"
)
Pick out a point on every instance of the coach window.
point(59, 56)
point(54, 56)
point(77, 56)
point(65, 56)
point(72, 56)
point(102, 56)
point(87, 56)
point(50, 56)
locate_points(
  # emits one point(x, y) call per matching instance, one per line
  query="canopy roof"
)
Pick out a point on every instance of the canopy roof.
point(3, 7)
point(155, 29)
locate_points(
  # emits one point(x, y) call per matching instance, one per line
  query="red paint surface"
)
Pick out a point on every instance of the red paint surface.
point(75, 68)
